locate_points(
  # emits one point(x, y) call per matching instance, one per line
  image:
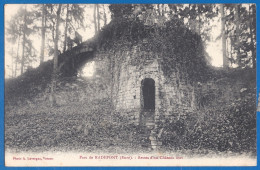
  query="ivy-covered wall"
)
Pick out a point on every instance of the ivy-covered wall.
point(173, 96)
point(123, 71)
point(173, 57)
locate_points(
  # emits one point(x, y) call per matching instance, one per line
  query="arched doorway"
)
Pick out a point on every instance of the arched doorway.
point(148, 93)
point(147, 101)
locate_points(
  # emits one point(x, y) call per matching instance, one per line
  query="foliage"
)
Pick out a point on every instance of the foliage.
point(120, 10)
point(241, 34)
point(198, 17)
point(219, 124)
point(223, 129)
point(178, 47)
point(87, 125)
point(28, 85)
point(21, 28)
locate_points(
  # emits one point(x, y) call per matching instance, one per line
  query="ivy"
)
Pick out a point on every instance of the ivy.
point(179, 48)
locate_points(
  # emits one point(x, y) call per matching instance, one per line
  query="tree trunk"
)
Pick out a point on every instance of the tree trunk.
point(251, 37)
point(98, 18)
point(158, 6)
point(223, 33)
point(231, 53)
point(199, 13)
point(17, 56)
point(12, 61)
point(163, 10)
point(55, 59)
point(237, 34)
point(43, 33)
point(53, 30)
point(66, 30)
point(24, 29)
point(95, 18)
point(104, 15)
point(189, 17)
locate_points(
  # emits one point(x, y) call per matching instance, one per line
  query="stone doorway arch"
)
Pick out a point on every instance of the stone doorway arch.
point(148, 94)
point(147, 101)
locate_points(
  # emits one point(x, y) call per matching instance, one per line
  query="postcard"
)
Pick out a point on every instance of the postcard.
point(130, 85)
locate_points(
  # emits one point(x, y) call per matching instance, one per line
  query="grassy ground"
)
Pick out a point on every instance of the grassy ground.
point(85, 121)
point(77, 126)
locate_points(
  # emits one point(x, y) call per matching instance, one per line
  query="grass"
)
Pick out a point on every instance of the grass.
point(77, 126)
point(85, 121)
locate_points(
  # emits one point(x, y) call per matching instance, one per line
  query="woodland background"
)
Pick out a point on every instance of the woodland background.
point(35, 32)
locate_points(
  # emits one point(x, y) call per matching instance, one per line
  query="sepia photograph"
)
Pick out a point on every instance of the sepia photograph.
point(130, 85)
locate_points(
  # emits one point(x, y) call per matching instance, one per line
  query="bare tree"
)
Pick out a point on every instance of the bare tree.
point(104, 15)
point(66, 28)
point(55, 60)
point(98, 18)
point(223, 33)
point(24, 28)
point(95, 17)
point(43, 29)
point(237, 33)
point(252, 32)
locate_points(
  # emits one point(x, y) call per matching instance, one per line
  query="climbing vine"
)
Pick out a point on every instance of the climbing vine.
point(179, 49)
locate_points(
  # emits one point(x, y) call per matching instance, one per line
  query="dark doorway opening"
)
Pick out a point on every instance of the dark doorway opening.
point(148, 90)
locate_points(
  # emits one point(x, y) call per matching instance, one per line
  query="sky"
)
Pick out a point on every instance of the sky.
point(213, 48)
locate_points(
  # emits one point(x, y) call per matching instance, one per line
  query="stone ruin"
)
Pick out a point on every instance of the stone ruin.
point(135, 80)
point(141, 91)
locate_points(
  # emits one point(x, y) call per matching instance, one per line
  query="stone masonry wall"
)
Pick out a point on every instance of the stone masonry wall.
point(172, 99)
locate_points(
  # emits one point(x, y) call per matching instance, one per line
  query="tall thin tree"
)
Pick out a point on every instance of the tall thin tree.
point(104, 15)
point(98, 18)
point(43, 29)
point(223, 33)
point(237, 34)
point(66, 28)
point(95, 17)
point(17, 55)
point(24, 31)
point(252, 32)
point(55, 59)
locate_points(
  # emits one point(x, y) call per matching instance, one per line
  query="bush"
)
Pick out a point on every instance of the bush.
point(228, 127)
